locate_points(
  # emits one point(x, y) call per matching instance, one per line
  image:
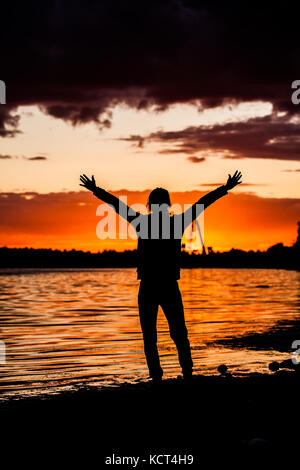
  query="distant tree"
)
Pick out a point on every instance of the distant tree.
point(297, 244)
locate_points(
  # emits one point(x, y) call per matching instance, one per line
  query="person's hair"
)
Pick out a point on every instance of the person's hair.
point(158, 196)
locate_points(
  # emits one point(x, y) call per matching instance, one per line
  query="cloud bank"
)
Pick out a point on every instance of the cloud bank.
point(77, 61)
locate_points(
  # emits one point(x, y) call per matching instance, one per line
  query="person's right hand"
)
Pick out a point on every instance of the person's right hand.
point(88, 183)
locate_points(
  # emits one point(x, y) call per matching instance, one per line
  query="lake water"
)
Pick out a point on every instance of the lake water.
point(65, 328)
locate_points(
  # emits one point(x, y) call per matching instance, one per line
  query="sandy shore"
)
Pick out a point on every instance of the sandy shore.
point(218, 417)
point(227, 419)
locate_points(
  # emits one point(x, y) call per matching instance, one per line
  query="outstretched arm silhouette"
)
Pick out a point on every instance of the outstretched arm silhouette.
point(120, 207)
point(192, 212)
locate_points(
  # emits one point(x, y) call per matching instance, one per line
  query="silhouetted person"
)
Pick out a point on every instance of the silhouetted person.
point(159, 248)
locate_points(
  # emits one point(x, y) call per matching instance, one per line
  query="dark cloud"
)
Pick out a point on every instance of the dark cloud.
point(220, 184)
point(38, 157)
point(5, 157)
point(196, 159)
point(136, 140)
point(77, 60)
point(292, 171)
point(9, 121)
point(78, 114)
point(267, 137)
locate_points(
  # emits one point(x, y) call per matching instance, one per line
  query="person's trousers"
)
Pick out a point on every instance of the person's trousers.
point(168, 296)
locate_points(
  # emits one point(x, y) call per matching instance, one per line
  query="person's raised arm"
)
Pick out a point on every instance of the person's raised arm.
point(193, 212)
point(120, 207)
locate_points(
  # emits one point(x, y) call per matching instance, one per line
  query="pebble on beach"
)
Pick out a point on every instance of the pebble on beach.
point(274, 366)
point(222, 369)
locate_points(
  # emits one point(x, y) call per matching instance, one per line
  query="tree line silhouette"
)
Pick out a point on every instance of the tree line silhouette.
point(277, 256)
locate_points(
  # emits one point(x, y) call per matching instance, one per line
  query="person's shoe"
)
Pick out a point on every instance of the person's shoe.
point(156, 380)
point(187, 374)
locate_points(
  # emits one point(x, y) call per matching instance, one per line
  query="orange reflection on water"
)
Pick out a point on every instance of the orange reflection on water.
point(75, 326)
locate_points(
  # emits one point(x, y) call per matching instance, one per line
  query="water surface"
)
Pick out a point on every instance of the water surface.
point(71, 327)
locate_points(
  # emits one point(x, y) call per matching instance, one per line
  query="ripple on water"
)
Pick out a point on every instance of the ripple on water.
point(66, 328)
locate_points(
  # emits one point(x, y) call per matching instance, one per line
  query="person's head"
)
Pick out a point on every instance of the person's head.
point(158, 197)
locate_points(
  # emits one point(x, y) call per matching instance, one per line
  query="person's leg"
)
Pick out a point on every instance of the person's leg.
point(171, 303)
point(148, 308)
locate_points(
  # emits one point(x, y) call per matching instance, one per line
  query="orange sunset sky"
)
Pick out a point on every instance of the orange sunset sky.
point(174, 94)
point(42, 205)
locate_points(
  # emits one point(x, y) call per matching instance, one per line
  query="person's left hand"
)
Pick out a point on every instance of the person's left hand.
point(88, 183)
point(233, 180)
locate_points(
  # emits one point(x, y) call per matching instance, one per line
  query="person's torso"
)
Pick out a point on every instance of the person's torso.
point(159, 247)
